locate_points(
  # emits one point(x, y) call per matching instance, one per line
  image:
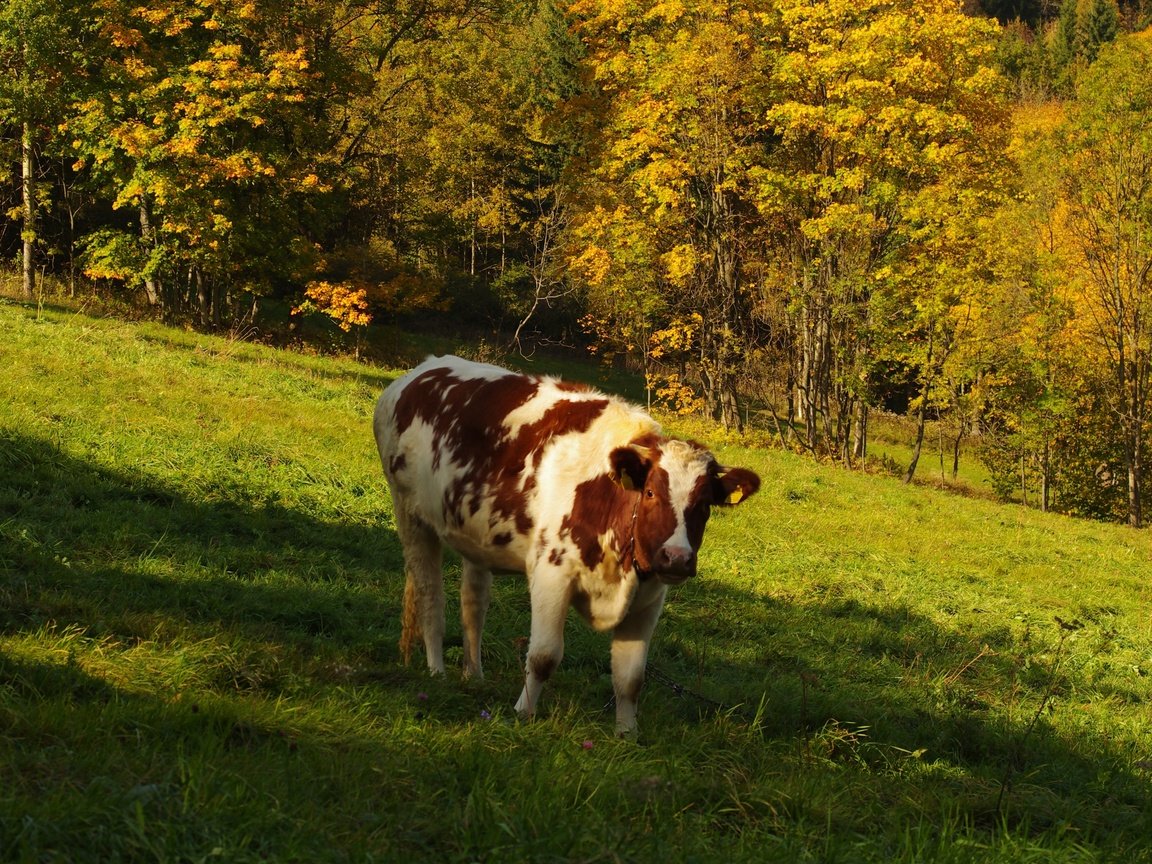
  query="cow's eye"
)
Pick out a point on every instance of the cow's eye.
point(649, 493)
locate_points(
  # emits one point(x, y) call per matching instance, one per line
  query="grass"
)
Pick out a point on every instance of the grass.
point(199, 598)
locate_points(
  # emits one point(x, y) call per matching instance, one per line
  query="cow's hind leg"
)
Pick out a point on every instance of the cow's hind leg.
point(550, 600)
point(475, 585)
point(423, 590)
point(630, 642)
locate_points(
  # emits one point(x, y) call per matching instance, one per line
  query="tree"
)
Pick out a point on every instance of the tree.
point(1021, 361)
point(483, 167)
point(199, 127)
point(671, 232)
point(36, 51)
point(1108, 183)
point(886, 120)
point(1082, 28)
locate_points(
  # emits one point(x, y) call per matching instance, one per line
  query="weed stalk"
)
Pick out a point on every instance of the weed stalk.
point(1066, 627)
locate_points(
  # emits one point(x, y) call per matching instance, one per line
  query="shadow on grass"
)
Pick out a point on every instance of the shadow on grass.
point(128, 559)
point(882, 687)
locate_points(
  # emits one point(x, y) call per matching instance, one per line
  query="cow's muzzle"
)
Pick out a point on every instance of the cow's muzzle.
point(674, 564)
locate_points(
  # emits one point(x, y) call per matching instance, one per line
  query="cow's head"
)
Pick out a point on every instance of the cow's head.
point(678, 483)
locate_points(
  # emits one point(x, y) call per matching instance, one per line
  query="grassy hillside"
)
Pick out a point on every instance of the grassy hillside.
point(199, 596)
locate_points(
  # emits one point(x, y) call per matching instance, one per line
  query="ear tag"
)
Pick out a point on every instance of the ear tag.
point(625, 480)
point(735, 497)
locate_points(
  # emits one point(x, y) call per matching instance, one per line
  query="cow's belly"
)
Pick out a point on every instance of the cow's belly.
point(484, 551)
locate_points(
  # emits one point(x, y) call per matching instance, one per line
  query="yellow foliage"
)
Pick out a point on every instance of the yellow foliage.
point(593, 263)
point(672, 392)
point(680, 263)
point(344, 303)
point(677, 338)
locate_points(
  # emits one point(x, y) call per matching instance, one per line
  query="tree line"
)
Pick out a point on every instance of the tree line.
point(785, 210)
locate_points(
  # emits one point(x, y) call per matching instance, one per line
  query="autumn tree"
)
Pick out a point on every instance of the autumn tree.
point(672, 232)
point(1108, 183)
point(199, 129)
point(887, 119)
point(1023, 393)
point(38, 39)
point(481, 168)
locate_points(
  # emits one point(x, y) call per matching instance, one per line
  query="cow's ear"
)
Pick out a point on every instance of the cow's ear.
point(630, 466)
point(733, 485)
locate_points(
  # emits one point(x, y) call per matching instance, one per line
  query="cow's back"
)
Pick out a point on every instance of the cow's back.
point(489, 458)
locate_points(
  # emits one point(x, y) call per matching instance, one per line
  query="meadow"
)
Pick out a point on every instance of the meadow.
point(199, 612)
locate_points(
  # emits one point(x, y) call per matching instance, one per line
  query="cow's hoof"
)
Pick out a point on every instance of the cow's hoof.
point(627, 733)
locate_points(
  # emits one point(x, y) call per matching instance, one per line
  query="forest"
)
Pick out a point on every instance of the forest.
point(784, 213)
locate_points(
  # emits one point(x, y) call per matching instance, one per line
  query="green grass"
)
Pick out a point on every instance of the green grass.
point(199, 611)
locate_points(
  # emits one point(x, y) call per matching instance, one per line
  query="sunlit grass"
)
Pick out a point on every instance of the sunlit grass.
point(199, 598)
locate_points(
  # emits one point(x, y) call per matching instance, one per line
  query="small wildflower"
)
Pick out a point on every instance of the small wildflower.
point(485, 715)
point(423, 697)
point(587, 745)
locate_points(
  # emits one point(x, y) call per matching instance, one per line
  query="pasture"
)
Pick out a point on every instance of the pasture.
point(199, 611)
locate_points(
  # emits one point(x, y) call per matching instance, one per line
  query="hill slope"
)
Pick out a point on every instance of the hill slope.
point(199, 595)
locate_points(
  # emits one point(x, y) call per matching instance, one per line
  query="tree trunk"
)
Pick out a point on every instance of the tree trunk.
point(922, 415)
point(201, 297)
point(1045, 477)
point(148, 237)
point(219, 296)
point(860, 431)
point(29, 229)
point(1135, 469)
point(813, 366)
point(956, 450)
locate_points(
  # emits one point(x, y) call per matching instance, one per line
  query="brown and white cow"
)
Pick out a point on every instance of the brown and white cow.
point(577, 489)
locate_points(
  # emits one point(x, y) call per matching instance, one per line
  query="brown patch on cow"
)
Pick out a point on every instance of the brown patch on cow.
point(600, 505)
point(650, 441)
point(542, 666)
point(502, 539)
point(397, 464)
point(556, 556)
point(700, 508)
point(655, 519)
point(494, 463)
point(563, 418)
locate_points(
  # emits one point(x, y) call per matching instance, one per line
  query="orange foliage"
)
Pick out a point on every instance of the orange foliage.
point(345, 303)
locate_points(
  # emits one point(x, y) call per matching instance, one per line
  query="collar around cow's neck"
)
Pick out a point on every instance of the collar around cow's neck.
point(642, 574)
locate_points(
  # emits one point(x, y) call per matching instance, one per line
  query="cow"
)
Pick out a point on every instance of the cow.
point(576, 489)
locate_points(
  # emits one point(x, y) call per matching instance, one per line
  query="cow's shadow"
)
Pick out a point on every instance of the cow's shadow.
point(125, 558)
point(883, 685)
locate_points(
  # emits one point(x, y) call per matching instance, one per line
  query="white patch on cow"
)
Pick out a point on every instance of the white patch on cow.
point(685, 465)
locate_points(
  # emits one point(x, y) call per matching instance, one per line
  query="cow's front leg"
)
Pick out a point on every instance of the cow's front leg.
point(630, 642)
point(550, 598)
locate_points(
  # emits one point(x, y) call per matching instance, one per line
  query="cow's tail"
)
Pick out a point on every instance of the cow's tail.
point(410, 632)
